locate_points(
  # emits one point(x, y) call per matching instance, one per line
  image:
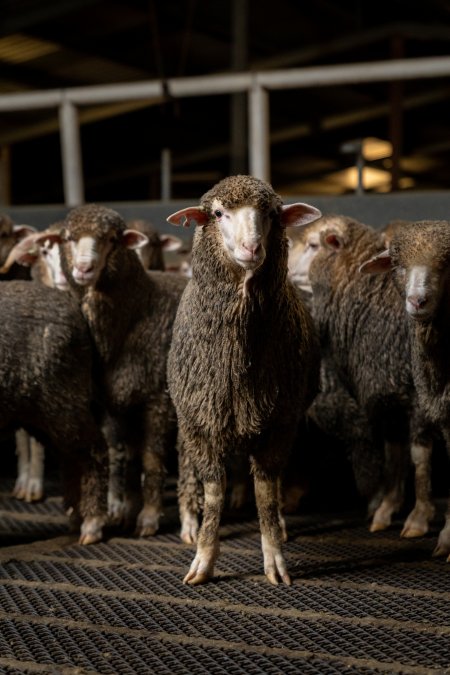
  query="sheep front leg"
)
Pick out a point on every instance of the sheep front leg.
point(23, 463)
point(417, 523)
point(35, 485)
point(202, 567)
point(272, 531)
point(153, 484)
point(190, 496)
point(93, 492)
point(395, 471)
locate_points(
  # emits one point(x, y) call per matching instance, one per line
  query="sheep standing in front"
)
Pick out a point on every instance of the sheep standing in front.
point(46, 388)
point(130, 313)
point(243, 364)
point(419, 259)
point(365, 339)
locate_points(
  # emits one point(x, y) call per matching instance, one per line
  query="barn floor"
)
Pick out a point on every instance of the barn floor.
point(360, 603)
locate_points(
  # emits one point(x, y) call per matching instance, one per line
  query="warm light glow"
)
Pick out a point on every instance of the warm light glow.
point(371, 178)
point(375, 148)
point(21, 48)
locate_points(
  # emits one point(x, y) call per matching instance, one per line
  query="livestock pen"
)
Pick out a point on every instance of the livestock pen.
point(360, 602)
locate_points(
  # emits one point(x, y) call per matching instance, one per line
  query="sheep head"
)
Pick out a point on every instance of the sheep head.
point(419, 260)
point(40, 249)
point(10, 235)
point(305, 243)
point(244, 209)
point(94, 232)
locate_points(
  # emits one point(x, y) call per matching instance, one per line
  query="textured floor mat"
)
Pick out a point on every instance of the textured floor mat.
point(360, 602)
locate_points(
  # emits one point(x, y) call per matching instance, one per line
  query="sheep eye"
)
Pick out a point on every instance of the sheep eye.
point(218, 213)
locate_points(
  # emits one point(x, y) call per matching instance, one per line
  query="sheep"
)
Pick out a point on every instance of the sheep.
point(334, 410)
point(242, 366)
point(37, 252)
point(418, 259)
point(130, 313)
point(151, 254)
point(46, 388)
point(365, 340)
point(10, 235)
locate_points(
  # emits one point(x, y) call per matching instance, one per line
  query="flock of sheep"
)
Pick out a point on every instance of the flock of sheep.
point(286, 315)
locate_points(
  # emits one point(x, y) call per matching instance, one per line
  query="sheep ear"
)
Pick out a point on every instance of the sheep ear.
point(191, 215)
point(296, 215)
point(44, 238)
point(332, 240)
point(133, 239)
point(21, 231)
point(25, 252)
point(380, 264)
point(170, 243)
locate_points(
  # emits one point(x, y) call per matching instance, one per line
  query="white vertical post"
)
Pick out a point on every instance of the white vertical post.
point(71, 154)
point(259, 132)
point(166, 175)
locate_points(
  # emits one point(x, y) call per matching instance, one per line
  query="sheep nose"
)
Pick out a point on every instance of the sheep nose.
point(84, 267)
point(253, 248)
point(417, 301)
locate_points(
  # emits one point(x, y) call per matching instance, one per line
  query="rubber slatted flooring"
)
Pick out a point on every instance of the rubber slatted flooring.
point(360, 602)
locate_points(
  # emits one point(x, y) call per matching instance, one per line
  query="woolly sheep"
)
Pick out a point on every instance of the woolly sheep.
point(30, 454)
point(130, 313)
point(418, 259)
point(334, 410)
point(243, 364)
point(365, 339)
point(46, 388)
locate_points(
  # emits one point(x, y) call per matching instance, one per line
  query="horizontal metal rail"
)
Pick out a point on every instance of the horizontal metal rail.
point(256, 84)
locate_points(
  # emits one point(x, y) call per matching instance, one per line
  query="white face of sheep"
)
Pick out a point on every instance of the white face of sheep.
point(52, 261)
point(244, 230)
point(89, 253)
point(301, 254)
point(43, 247)
point(244, 233)
point(420, 284)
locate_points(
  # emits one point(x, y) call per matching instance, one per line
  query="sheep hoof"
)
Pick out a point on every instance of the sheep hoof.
point(189, 528)
point(148, 531)
point(272, 576)
point(34, 492)
point(202, 567)
point(443, 544)
point(86, 539)
point(378, 526)
point(274, 563)
point(91, 531)
point(196, 578)
point(147, 523)
point(20, 490)
point(410, 532)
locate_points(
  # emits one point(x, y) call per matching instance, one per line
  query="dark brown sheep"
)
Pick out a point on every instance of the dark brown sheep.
point(46, 387)
point(130, 313)
point(243, 365)
point(365, 344)
point(23, 254)
point(419, 259)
